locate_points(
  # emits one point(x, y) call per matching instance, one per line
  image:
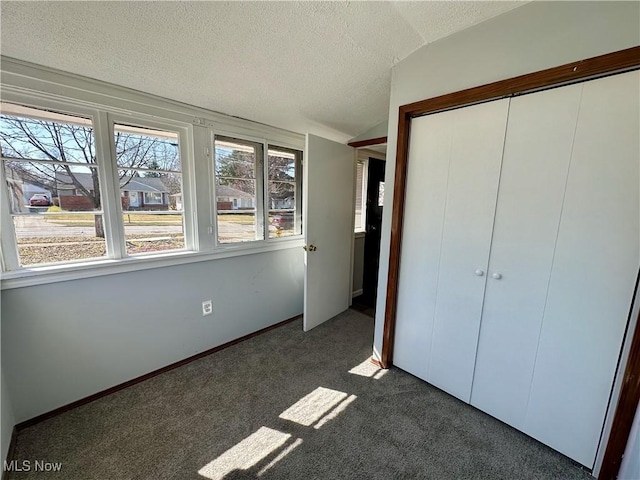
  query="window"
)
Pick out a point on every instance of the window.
point(84, 185)
point(150, 174)
point(238, 179)
point(285, 199)
point(50, 166)
point(360, 214)
point(244, 184)
point(153, 198)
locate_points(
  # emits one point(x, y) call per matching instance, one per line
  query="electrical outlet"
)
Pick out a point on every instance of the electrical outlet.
point(207, 308)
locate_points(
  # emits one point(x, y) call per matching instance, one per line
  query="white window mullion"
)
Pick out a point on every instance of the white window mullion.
point(265, 194)
point(8, 245)
point(260, 198)
point(186, 144)
point(110, 186)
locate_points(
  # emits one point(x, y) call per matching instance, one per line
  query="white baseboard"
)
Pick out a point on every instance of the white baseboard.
point(356, 293)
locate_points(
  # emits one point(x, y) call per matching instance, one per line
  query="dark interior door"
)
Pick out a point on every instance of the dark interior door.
point(375, 195)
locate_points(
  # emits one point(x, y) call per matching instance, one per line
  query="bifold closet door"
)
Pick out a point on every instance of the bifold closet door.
point(453, 175)
point(426, 193)
point(594, 270)
point(535, 166)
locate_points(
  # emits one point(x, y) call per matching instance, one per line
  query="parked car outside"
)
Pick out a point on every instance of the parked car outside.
point(39, 200)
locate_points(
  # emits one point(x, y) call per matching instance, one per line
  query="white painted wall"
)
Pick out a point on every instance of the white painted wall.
point(630, 468)
point(64, 341)
point(533, 37)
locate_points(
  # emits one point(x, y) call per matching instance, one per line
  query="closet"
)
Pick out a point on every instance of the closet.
point(520, 250)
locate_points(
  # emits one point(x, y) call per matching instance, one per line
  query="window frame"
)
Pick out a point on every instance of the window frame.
point(11, 258)
point(362, 228)
point(262, 201)
point(299, 160)
point(189, 226)
point(35, 86)
point(259, 182)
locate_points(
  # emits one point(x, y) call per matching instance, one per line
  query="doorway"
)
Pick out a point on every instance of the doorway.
point(374, 204)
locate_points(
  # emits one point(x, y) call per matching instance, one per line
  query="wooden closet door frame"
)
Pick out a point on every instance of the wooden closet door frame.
point(580, 71)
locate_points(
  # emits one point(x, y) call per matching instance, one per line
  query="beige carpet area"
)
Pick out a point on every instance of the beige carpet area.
point(286, 405)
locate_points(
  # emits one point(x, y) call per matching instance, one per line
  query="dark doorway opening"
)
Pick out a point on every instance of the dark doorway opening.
point(374, 208)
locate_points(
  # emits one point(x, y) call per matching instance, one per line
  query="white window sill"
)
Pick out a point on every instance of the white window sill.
point(359, 234)
point(40, 275)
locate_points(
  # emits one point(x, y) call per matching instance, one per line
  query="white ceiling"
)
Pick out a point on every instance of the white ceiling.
point(320, 67)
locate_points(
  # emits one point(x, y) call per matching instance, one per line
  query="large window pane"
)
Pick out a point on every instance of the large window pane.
point(54, 191)
point(236, 189)
point(150, 189)
point(48, 237)
point(284, 192)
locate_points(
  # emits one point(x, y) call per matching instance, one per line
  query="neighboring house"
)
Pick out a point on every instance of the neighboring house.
point(229, 198)
point(139, 193)
point(145, 193)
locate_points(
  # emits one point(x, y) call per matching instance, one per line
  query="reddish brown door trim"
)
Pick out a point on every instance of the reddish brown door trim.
point(367, 143)
point(611, 63)
point(626, 408)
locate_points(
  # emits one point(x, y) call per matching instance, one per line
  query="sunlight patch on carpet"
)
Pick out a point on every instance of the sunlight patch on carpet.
point(313, 406)
point(280, 456)
point(335, 412)
point(245, 454)
point(368, 369)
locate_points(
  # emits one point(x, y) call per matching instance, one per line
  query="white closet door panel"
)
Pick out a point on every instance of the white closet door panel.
point(532, 183)
point(594, 272)
point(474, 173)
point(428, 169)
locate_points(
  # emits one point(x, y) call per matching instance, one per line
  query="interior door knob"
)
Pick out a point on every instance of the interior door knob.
point(479, 272)
point(497, 275)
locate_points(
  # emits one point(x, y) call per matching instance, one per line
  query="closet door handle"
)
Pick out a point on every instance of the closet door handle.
point(497, 275)
point(479, 272)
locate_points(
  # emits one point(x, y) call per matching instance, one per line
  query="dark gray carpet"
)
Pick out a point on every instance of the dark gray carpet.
point(190, 419)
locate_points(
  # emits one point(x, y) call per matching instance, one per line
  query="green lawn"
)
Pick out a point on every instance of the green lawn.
point(140, 219)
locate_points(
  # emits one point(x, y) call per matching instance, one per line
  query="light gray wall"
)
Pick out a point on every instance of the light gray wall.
point(630, 468)
point(64, 341)
point(358, 262)
point(533, 37)
point(7, 420)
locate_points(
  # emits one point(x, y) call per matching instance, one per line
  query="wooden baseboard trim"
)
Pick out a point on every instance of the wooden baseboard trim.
point(146, 376)
point(10, 452)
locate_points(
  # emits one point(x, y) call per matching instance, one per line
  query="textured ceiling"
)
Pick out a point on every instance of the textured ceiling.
point(320, 67)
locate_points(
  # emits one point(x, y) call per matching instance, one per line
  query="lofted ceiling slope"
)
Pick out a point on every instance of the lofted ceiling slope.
point(319, 67)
